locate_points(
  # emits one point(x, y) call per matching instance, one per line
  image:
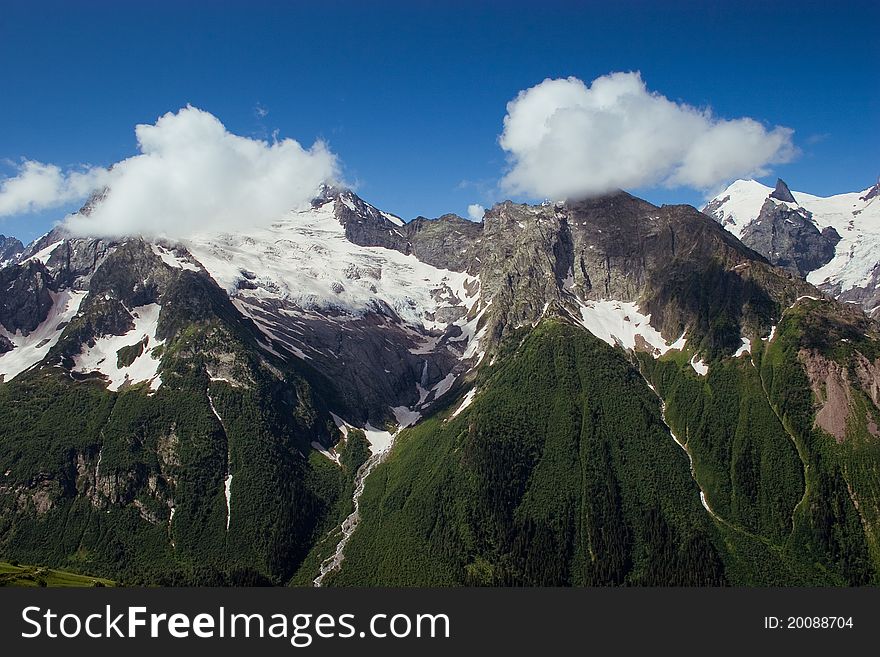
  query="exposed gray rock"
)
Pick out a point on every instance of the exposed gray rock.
point(531, 260)
point(128, 276)
point(782, 192)
point(867, 296)
point(712, 210)
point(680, 265)
point(789, 238)
point(364, 224)
point(370, 359)
point(57, 234)
point(874, 192)
point(75, 260)
point(26, 296)
point(10, 249)
point(450, 242)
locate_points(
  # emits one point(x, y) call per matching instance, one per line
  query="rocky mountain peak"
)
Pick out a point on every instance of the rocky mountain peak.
point(449, 242)
point(874, 192)
point(261, 353)
point(330, 192)
point(789, 238)
point(365, 225)
point(10, 249)
point(782, 192)
point(93, 200)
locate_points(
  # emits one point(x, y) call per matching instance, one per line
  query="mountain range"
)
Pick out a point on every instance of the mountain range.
point(584, 392)
point(833, 241)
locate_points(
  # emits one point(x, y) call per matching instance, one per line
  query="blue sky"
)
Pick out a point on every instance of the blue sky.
point(411, 96)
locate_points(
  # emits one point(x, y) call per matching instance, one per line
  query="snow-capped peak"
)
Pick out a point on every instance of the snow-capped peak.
point(306, 258)
point(738, 205)
point(345, 198)
point(854, 215)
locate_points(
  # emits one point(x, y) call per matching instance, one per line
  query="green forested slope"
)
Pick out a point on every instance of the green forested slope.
point(797, 506)
point(89, 477)
point(561, 472)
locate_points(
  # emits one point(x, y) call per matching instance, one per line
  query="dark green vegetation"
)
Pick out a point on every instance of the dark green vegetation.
point(89, 477)
point(127, 355)
point(561, 472)
point(335, 486)
point(92, 477)
point(13, 574)
point(795, 505)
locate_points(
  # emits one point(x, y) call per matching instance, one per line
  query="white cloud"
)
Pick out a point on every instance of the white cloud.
point(567, 139)
point(41, 186)
point(191, 174)
point(476, 212)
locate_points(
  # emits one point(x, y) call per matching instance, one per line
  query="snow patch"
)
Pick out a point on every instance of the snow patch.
point(333, 456)
point(857, 221)
point(394, 219)
point(444, 385)
point(32, 348)
point(227, 491)
point(427, 347)
point(380, 441)
point(405, 417)
point(619, 323)
point(341, 424)
point(103, 357)
point(468, 399)
point(43, 254)
point(699, 366)
point(227, 481)
point(171, 259)
point(305, 258)
point(745, 348)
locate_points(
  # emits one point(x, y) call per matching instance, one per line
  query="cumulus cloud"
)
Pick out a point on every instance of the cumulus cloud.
point(41, 186)
point(476, 212)
point(191, 174)
point(565, 139)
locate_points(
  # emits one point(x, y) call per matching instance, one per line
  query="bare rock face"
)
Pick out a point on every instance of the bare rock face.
point(831, 388)
point(10, 249)
point(868, 376)
point(29, 285)
point(27, 296)
point(679, 265)
point(874, 192)
point(782, 192)
point(523, 257)
point(833, 385)
point(450, 242)
point(364, 224)
point(74, 261)
point(374, 361)
point(788, 237)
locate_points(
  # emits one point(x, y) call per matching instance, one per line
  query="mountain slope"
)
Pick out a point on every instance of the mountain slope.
point(10, 249)
point(627, 388)
point(194, 470)
point(849, 271)
point(560, 472)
